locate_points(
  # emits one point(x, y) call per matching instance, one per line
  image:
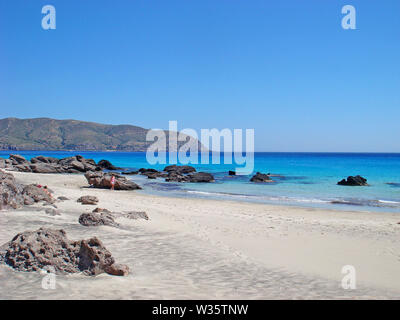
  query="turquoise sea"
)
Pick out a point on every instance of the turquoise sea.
point(305, 179)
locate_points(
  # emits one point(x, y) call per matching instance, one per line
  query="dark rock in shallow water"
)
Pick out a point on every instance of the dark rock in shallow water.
point(232, 173)
point(175, 176)
point(35, 250)
point(353, 181)
point(129, 173)
point(97, 219)
point(261, 177)
point(200, 177)
point(148, 170)
point(91, 200)
point(103, 180)
point(105, 164)
point(393, 184)
point(179, 169)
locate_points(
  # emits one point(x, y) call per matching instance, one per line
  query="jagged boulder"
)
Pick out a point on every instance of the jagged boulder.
point(91, 200)
point(22, 167)
point(42, 167)
point(103, 180)
point(36, 250)
point(42, 159)
point(6, 164)
point(11, 195)
point(16, 159)
point(37, 193)
point(353, 181)
point(261, 177)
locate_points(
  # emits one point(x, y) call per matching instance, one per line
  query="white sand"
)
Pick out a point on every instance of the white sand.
point(199, 249)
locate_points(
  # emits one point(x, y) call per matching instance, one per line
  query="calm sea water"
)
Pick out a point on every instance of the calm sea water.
point(306, 179)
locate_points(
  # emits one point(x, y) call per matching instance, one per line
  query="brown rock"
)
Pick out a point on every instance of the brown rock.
point(36, 250)
point(91, 200)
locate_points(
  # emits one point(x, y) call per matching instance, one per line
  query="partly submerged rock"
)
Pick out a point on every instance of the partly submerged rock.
point(36, 250)
point(91, 200)
point(353, 181)
point(261, 177)
point(180, 169)
point(105, 164)
point(200, 177)
point(130, 173)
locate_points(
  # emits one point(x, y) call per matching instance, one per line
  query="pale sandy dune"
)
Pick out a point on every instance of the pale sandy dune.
point(199, 249)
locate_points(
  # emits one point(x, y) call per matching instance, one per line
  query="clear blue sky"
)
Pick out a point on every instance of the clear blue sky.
point(285, 68)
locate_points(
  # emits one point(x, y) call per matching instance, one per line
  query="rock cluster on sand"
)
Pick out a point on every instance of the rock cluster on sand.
point(353, 181)
point(14, 195)
point(41, 164)
point(261, 177)
point(99, 179)
point(43, 248)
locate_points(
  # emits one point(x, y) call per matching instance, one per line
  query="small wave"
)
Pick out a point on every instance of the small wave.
point(368, 203)
point(258, 197)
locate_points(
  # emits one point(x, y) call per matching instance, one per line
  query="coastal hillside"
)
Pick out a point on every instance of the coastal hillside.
point(51, 134)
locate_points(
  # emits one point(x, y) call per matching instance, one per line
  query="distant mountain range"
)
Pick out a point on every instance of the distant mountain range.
point(51, 134)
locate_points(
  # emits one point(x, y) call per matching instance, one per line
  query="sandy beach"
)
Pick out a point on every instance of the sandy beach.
point(212, 249)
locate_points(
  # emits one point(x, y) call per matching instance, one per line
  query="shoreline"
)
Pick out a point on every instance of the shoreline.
point(305, 248)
